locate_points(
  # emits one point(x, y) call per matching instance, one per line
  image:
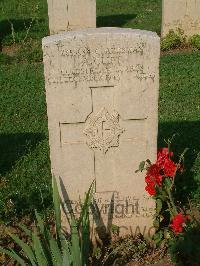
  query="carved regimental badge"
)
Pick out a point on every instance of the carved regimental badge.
point(103, 130)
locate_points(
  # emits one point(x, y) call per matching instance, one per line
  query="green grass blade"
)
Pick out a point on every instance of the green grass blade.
point(87, 202)
point(45, 236)
point(40, 222)
point(85, 239)
point(44, 228)
point(14, 255)
point(39, 252)
point(68, 211)
point(66, 248)
point(66, 259)
point(75, 244)
point(28, 251)
point(56, 253)
point(84, 225)
point(25, 229)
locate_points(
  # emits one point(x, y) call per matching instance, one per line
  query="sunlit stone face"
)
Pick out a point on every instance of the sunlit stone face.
point(102, 98)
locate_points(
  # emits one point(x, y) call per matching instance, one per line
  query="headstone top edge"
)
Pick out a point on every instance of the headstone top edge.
point(106, 30)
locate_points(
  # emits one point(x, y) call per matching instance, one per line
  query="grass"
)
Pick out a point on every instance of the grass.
point(24, 159)
point(23, 139)
point(179, 113)
point(141, 14)
point(20, 13)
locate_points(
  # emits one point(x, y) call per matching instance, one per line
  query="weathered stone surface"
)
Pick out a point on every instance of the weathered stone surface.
point(70, 15)
point(102, 90)
point(181, 14)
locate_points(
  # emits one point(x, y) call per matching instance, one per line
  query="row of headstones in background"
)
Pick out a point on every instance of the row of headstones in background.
point(181, 14)
point(70, 15)
point(102, 89)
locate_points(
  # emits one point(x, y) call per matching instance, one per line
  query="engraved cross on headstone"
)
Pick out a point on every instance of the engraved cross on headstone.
point(103, 129)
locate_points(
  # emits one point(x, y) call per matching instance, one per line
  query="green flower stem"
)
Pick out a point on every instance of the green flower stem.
point(169, 206)
point(181, 159)
point(175, 212)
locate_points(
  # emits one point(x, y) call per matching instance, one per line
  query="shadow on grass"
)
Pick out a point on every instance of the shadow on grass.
point(186, 250)
point(6, 27)
point(188, 136)
point(18, 26)
point(114, 20)
point(13, 146)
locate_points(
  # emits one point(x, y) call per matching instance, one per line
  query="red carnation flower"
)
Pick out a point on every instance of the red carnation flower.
point(154, 173)
point(169, 168)
point(153, 178)
point(162, 155)
point(164, 152)
point(164, 166)
point(149, 179)
point(178, 223)
point(150, 188)
point(153, 170)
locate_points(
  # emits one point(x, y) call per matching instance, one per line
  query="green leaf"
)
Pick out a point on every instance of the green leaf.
point(28, 251)
point(56, 253)
point(38, 250)
point(115, 229)
point(162, 195)
point(156, 223)
point(66, 259)
point(158, 237)
point(75, 249)
point(45, 236)
point(40, 222)
point(66, 248)
point(148, 161)
point(167, 234)
point(87, 203)
point(85, 241)
point(84, 224)
point(26, 230)
point(141, 167)
point(168, 182)
point(158, 206)
point(98, 253)
point(11, 253)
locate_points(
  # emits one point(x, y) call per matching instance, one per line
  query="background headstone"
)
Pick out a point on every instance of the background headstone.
point(102, 90)
point(181, 14)
point(70, 15)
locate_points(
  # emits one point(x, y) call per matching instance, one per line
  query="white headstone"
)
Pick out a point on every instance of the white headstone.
point(102, 90)
point(181, 14)
point(70, 15)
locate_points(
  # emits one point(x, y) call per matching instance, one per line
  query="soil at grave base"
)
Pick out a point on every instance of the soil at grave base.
point(154, 258)
point(11, 50)
point(187, 49)
point(165, 261)
point(129, 251)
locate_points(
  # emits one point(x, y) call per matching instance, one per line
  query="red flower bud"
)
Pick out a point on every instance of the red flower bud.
point(178, 223)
